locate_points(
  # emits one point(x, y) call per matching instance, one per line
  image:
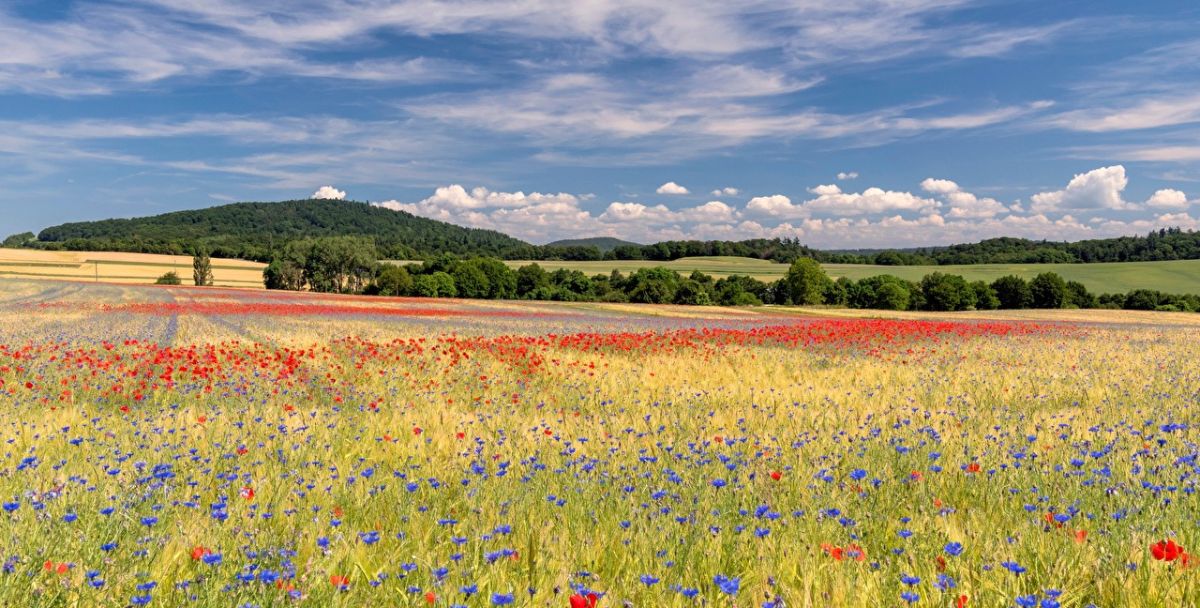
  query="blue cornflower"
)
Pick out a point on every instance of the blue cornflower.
point(728, 585)
point(954, 549)
point(502, 599)
point(647, 580)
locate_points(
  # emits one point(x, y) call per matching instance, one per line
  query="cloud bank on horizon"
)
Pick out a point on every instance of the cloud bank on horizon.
point(855, 123)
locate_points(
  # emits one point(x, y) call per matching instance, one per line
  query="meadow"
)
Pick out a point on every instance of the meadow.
point(175, 446)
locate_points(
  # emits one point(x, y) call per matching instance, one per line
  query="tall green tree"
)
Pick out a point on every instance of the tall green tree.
point(947, 292)
point(806, 282)
point(1048, 290)
point(1013, 292)
point(202, 275)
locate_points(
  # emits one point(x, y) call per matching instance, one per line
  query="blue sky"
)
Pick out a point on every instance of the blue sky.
point(845, 123)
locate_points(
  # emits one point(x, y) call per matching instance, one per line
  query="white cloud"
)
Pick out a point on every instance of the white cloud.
point(671, 188)
point(962, 204)
point(830, 199)
point(329, 193)
point(832, 218)
point(726, 191)
point(775, 205)
point(1146, 114)
point(1097, 189)
point(1168, 199)
point(939, 186)
point(845, 175)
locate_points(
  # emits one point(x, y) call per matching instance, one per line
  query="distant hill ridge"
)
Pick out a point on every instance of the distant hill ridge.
point(253, 230)
point(603, 243)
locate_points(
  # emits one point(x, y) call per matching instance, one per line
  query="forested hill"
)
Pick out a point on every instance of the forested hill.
point(253, 230)
point(1158, 245)
point(603, 243)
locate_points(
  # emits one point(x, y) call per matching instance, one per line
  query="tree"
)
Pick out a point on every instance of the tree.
point(692, 293)
point(1048, 290)
point(501, 280)
point(652, 285)
point(470, 280)
point(1079, 296)
point(806, 282)
point(1013, 292)
point(170, 278)
point(18, 240)
point(530, 278)
point(392, 280)
point(202, 275)
point(891, 295)
point(947, 292)
point(435, 285)
point(985, 296)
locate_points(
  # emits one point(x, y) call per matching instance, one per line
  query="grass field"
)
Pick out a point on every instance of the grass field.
point(216, 447)
point(1173, 277)
point(121, 267)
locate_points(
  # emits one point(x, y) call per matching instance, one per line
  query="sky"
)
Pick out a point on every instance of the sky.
point(843, 123)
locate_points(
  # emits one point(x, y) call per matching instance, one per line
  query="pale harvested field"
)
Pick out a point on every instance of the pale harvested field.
point(121, 267)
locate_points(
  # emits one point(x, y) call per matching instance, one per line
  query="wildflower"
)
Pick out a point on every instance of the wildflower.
point(727, 585)
point(584, 601)
point(954, 549)
point(502, 599)
point(647, 580)
point(776, 475)
point(1166, 550)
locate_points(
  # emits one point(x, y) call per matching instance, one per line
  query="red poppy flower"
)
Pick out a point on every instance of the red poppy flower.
point(417, 430)
point(339, 581)
point(247, 492)
point(1166, 551)
point(961, 602)
point(580, 601)
point(973, 467)
point(199, 552)
point(776, 475)
point(430, 597)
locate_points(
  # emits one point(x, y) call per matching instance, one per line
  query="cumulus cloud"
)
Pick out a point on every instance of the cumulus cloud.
point(776, 205)
point(1097, 189)
point(830, 199)
point(938, 186)
point(845, 175)
point(1168, 199)
point(671, 188)
point(329, 193)
point(726, 191)
point(962, 204)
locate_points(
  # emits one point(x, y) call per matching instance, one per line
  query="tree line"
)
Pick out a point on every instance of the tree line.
point(348, 265)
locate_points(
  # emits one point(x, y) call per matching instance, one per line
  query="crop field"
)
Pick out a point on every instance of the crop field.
point(1182, 276)
point(215, 447)
point(121, 267)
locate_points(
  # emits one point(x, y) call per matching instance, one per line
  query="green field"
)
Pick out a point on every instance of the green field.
point(1181, 276)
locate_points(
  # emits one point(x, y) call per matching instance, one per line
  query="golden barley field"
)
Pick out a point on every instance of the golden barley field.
point(215, 447)
point(118, 267)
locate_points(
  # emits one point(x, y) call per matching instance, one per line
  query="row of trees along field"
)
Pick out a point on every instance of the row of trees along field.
point(348, 265)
